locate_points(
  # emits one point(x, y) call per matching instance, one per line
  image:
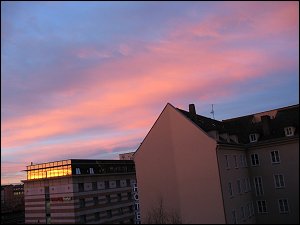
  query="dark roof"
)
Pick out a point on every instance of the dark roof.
point(245, 125)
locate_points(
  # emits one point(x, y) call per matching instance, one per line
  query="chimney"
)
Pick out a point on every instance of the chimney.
point(266, 125)
point(192, 111)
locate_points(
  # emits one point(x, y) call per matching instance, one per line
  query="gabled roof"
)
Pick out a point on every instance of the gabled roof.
point(246, 125)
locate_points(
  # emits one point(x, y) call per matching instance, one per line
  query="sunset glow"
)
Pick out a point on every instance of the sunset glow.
point(88, 79)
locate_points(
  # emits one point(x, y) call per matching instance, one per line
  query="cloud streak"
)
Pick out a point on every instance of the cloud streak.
point(75, 96)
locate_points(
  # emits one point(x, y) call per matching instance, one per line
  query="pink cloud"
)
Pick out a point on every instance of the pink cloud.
point(192, 58)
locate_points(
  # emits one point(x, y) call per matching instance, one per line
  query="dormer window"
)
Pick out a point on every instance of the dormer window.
point(253, 137)
point(289, 131)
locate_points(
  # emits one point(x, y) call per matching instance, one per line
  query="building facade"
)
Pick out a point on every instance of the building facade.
point(80, 191)
point(241, 170)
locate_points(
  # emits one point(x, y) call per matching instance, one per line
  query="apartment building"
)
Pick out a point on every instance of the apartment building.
point(80, 191)
point(240, 170)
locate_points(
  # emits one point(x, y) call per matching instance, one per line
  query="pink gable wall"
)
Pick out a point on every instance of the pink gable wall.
point(177, 161)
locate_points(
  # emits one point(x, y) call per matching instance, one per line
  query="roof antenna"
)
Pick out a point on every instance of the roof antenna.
point(212, 111)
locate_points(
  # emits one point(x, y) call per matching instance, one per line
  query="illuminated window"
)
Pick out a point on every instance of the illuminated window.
point(78, 171)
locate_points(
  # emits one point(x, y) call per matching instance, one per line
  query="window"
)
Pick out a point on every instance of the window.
point(275, 157)
point(254, 159)
point(289, 131)
point(279, 181)
point(243, 161)
point(239, 186)
point(235, 161)
point(258, 186)
point(97, 216)
point(283, 206)
point(94, 186)
point(81, 202)
point(80, 187)
point(247, 185)
point(78, 171)
point(119, 197)
point(108, 213)
point(243, 213)
point(227, 161)
point(129, 195)
point(252, 209)
point(82, 219)
point(91, 170)
point(262, 206)
point(95, 200)
point(248, 213)
point(120, 211)
point(253, 137)
point(244, 185)
point(108, 198)
point(118, 183)
point(234, 219)
point(230, 189)
point(106, 184)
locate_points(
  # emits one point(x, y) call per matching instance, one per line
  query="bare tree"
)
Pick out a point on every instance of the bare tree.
point(159, 215)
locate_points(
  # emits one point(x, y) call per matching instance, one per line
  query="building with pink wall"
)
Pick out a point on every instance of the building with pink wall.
point(201, 170)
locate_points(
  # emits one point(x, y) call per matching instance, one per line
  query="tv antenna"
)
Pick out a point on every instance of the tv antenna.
point(212, 111)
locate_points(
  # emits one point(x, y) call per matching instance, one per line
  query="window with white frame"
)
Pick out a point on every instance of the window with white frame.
point(227, 162)
point(279, 181)
point(289, 131)
point(235, 161)
point(258, 186)
point(254, 159)
point(261, 206)
point(275, 156)
point(283, 206)
point(253, 137)
point(230, 189)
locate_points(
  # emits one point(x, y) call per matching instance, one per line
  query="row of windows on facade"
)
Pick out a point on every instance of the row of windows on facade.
point(108, 214)
point(245, 186)
point(275, 159)
point(111, 169)
point(106, 185)
point(288, 131)
point(82, 202)
point(283, 208)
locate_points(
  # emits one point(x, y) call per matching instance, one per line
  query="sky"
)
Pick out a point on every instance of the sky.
point(87, 80)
